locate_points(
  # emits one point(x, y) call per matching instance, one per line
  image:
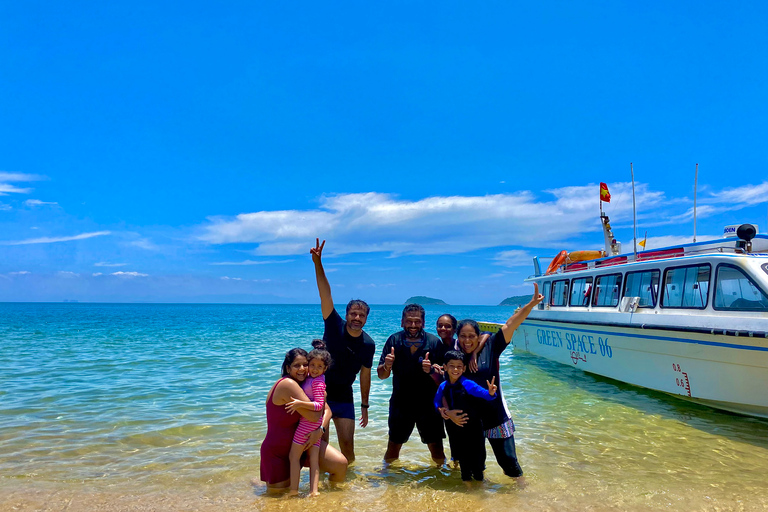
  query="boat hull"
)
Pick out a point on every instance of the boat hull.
point(724, 371)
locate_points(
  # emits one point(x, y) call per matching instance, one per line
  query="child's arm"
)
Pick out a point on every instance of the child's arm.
point(316, 403)
point(439, 398)
point(318, 392)
point(295, 405)
point(475, 390)
point(473, 359)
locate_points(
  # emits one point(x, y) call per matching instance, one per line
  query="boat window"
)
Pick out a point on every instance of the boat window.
point(735, 291)
point(559, 293)
point(644, 285)
point(580, 290)
point(686, 287)
point(607, 290)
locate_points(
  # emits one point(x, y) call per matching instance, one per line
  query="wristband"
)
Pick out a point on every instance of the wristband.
point(365, 406)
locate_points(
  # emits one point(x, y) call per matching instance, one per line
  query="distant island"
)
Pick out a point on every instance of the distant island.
point(517, 300)
point(425, 301)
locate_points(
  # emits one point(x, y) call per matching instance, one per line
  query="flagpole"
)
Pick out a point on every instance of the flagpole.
point(634, 209)
point(695, 186)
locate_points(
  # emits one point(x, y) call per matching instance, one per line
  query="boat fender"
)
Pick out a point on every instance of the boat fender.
point(584, 255)
point(559, 260)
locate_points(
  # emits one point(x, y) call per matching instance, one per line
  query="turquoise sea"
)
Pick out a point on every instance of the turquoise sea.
point(161, 407)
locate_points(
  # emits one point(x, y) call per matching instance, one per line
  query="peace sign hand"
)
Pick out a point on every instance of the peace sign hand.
point(492, 387)
point(317, 250)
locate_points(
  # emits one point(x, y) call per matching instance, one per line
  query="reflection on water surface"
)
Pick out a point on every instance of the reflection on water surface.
point(122, 407)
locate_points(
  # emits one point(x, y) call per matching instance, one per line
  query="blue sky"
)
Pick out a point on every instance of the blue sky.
point(191, 152)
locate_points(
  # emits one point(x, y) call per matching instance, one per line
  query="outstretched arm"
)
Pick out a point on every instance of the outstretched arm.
point(323, 286)
point(515, 320)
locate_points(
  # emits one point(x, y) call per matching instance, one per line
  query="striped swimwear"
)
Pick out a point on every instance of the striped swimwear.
point(314, 387)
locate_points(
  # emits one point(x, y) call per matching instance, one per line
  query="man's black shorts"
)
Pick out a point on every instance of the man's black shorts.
point(427, 420)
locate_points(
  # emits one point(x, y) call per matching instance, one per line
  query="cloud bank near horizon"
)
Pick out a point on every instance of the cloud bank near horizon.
point(377, 222)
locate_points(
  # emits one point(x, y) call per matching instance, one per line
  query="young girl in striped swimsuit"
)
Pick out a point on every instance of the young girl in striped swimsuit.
point(314, 386)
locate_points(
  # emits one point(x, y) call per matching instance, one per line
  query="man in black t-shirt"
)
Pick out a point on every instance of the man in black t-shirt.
point(352, 352)
point(408, 355)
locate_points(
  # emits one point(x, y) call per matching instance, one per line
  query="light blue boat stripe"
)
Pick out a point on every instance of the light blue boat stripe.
point(649, 337)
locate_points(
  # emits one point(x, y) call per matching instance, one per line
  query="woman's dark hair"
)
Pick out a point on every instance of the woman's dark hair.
point(319, 352)
point(450, 317)
point(290, 356)
point(468, 322)
point(454, 355)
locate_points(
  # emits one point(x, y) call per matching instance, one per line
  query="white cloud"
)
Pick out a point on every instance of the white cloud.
point(6, 178)
point(4, 207)
point(144, 243)
point(740, 196)
point(105, 264)
point(67, 274)
point(50, 240)
point(128, 274)
point(227, 278)
point(374, 222)
point(97, 274)
point(18, 176)
point(251, 262)
point(657, 242)
point(37, 202)
point(19, 273)
point(514, 258)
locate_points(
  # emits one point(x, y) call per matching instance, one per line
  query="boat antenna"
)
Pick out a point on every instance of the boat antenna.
point(695, 182)
point(634, 209)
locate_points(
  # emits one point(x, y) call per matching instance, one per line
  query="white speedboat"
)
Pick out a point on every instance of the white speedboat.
point(689, 320)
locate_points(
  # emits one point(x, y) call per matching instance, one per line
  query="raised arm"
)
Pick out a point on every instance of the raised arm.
point(323, 286)
point(515, 320)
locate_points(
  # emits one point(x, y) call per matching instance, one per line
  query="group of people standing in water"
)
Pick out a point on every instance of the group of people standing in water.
point(439, 383)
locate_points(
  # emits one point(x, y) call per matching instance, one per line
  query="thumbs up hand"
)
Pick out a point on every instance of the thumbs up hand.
point(426, 365)
point(389, 360)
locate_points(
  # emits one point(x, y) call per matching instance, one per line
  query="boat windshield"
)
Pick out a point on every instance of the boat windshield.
point(734, 290)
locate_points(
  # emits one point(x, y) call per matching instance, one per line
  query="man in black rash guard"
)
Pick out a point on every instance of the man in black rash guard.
point(406, 354)
point(352, 351)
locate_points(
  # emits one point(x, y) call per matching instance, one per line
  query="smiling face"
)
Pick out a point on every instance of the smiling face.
point(445, 329)
point(454, 368)
point(297, 370)
point(413, 324)
point(356, 318)
point(468, 339)
point(316, 367)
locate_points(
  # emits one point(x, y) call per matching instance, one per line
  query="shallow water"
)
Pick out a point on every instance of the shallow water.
point(121, 407)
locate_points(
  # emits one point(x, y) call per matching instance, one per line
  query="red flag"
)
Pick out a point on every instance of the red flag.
point(604, 194)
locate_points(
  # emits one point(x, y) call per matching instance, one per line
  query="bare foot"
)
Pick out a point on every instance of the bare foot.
point(314, 494)
point(292, 493)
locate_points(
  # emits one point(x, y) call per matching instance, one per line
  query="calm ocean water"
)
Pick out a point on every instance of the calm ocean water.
point(114, 404)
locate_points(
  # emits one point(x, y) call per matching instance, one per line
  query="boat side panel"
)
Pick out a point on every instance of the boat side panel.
point(699, 366)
